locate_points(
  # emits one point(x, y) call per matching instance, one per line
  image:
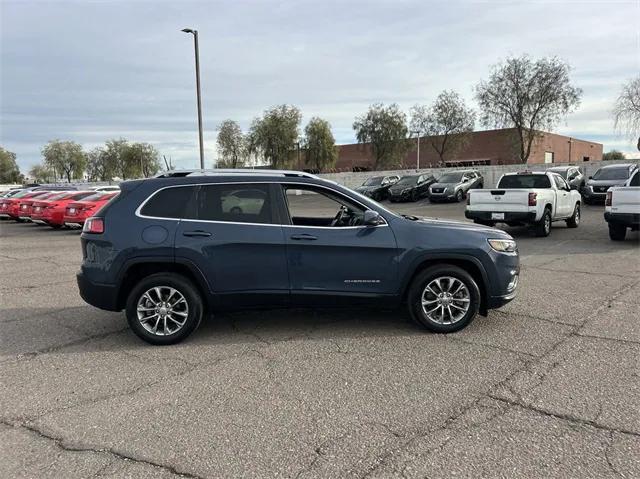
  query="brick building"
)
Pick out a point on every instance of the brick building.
point(491, 147)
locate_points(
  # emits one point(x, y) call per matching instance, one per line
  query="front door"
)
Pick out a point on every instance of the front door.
point(330, 252)
point(237, 242)
point(564, 208)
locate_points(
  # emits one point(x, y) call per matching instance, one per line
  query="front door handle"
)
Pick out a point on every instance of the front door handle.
point(196, 233)
point(304, 237)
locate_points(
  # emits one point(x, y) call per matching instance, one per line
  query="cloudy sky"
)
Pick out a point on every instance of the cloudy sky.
point(92, 70)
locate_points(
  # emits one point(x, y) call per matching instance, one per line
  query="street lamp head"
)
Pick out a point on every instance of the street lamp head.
point(187, 30)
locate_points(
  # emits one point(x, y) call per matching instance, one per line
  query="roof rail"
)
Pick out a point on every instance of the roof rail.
point(229, 171)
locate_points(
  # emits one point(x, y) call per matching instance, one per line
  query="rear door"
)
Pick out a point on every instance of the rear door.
point(234, 237)
point(329, 251)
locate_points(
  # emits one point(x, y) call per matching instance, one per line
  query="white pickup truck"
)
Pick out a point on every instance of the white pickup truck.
point(536, 198)
point(622, 208)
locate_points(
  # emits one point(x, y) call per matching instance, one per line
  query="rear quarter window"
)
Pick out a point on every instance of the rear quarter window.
point(174, 202)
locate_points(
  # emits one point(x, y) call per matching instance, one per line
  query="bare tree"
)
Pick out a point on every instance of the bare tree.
point(448, 122)
point(626, 111)
point(232, 145)
point(527, 95)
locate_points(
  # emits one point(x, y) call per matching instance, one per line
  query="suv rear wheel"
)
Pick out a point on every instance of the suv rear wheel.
point(164, 308)
point(444, 298)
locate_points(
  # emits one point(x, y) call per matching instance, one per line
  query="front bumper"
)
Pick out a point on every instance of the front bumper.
point(103, 296)
point(627, 219)
point(441, 196)
point(509, 216)
point(400, 196)
point(590, 195)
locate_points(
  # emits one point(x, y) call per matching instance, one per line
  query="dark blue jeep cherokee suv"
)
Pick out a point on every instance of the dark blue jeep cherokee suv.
point(170, 249)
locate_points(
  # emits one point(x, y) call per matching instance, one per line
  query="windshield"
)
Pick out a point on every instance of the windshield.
point(407, 180)
point(375, 181)
point(450, 178)
point(612, 174)
point(524, 181)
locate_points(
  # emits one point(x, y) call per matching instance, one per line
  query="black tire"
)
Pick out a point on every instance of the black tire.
point(417, 290)
point(459, 196)
point(480, 186)
point(617, 232)
point(172, 280)
point(574, 221)
point(543, 227)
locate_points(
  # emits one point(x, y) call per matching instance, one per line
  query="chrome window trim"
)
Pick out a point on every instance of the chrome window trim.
point(279, 225)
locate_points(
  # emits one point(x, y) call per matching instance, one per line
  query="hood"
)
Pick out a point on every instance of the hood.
point(398, 188)
point(364, 189)
point(444, 185)
point(607, 182)
point(461, 225)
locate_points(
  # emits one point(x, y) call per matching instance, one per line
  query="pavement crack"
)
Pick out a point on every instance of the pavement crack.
point(63, 445)
point(565, 417)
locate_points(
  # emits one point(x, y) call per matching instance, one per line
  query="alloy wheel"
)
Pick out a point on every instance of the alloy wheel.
point(445, 300)
point(162, 310)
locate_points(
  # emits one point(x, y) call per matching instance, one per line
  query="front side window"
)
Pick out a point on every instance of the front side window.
point(233, 203)
point(310, 206)
point(560, 183)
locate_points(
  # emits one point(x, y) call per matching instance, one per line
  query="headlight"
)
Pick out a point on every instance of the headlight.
point(503, 245)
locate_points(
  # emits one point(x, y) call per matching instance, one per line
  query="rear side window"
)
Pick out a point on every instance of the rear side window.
point(177, 202)
point(235, 203)
point(525, 181)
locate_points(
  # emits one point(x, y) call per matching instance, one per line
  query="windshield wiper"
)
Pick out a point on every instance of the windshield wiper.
point(410, 217)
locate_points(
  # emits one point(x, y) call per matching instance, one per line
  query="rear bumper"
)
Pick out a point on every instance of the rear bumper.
point(103, 296)
point(627, 219)
point(515, 216)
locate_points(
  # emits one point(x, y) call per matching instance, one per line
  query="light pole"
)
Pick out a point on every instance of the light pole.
point(197, 52)
point(570, 142)
point(417, 133)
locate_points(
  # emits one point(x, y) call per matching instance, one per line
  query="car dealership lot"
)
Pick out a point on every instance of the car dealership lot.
point(546, 386)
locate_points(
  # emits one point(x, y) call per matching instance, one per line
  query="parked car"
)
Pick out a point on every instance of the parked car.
point(534, 198)
point(25, 206)
point(167, 253)
point(572, 175)
point(77, 212)
point(51, 210)
point(604, 178)
point(455, 185)
point(622, 208)
point(10, 207)
point(411, 188)
point(377, 187)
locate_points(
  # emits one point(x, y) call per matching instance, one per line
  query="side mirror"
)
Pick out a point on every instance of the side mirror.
point(465, 180)
point(591, 177)
point(372, 218)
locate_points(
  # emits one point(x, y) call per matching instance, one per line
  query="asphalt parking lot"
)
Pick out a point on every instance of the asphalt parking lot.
point(548, 386)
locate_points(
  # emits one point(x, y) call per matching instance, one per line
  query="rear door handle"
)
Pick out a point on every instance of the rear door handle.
point(196, 233)
point(304, 237)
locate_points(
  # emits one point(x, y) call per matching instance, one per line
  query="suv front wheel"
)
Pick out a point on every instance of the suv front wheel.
point(164, 308)
point(444, 298)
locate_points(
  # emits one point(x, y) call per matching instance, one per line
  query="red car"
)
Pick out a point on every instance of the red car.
point(25, 205)
point(76, 213)
point(9, 207)
point(51, 210)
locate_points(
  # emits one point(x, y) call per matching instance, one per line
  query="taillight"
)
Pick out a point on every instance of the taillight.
point(607, 201)
point(93, 225)
point(533, 199)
